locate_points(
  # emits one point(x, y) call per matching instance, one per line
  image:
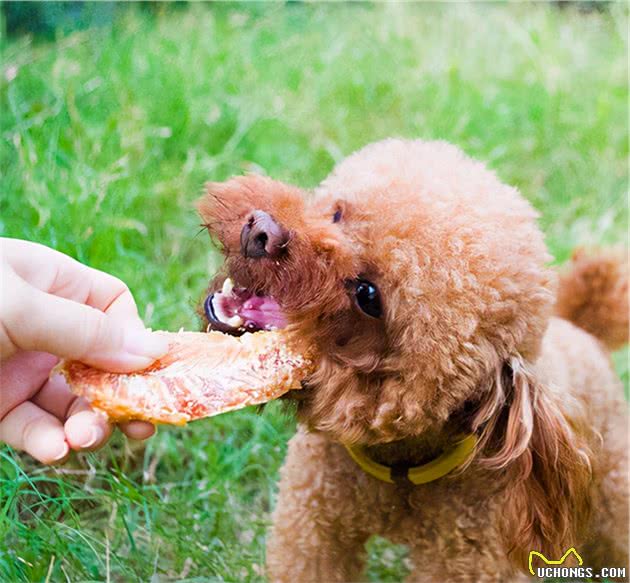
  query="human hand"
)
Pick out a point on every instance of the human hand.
point(52, 307)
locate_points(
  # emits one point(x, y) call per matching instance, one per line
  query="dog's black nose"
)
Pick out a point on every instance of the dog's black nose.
point(262, 236)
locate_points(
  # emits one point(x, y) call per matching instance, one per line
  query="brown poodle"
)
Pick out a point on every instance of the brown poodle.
point(421, 282)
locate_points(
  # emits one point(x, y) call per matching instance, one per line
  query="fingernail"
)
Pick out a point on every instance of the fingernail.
point(96, 435)
point(63, 453)
point(144, 343)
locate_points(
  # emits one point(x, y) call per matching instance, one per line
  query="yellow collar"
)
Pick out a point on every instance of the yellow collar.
point(446, 462)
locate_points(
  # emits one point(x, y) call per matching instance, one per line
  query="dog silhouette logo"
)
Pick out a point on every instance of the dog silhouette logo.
point(547, 561)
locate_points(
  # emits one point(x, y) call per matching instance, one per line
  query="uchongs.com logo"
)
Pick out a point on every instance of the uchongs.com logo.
point(556, 569)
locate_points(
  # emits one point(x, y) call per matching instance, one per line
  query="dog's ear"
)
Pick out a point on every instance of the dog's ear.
point(543, 458)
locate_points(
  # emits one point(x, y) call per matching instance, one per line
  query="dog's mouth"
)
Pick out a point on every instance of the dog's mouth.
point(236, 310)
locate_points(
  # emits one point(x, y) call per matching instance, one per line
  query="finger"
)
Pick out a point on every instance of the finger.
point(137, 429)
point(85, 429)
point(40, 434)
point(21, 376)
point(55, 397)
point(34, 320)
point(53, 272)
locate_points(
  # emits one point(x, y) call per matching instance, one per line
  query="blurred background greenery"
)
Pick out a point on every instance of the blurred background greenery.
point(112, 117)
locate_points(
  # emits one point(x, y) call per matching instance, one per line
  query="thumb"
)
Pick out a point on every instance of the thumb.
point(48, 323)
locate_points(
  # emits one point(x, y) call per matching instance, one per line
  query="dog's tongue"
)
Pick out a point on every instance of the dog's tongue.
point(264, 311)
point(238, 310)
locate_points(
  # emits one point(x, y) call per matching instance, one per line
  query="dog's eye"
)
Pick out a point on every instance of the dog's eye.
point(337, 216)
point(368, 298)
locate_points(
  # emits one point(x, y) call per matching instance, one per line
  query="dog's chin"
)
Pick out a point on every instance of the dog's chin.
point(234, 310)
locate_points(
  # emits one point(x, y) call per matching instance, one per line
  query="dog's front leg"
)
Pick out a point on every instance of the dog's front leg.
point(302, 549)
point(474, 555)
point(314, 537)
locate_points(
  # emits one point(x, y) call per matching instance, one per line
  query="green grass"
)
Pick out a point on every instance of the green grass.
point(107, 136)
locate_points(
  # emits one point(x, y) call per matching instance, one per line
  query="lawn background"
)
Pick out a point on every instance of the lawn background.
point(108, 134)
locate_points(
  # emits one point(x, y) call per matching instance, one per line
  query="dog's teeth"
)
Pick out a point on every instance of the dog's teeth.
point(218, 309)
point(228, 286)
point(235, 321)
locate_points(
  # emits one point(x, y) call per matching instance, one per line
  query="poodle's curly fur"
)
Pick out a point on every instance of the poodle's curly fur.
point(468, 342)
